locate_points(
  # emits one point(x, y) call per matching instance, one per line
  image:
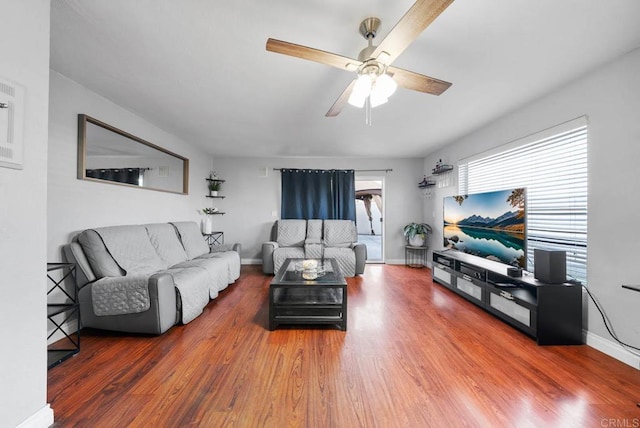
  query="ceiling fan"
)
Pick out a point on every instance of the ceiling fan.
point(376, 78)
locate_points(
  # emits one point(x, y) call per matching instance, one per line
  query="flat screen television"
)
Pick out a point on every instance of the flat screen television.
point(490, 225)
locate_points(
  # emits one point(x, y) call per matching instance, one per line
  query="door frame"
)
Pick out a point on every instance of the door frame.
point(381, 179)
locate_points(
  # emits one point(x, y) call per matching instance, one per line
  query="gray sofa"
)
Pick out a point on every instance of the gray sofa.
point(147, 278)
point(336, 239)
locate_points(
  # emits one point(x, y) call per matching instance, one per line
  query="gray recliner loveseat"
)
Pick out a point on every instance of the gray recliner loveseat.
point(147, 278)
point(316, 239)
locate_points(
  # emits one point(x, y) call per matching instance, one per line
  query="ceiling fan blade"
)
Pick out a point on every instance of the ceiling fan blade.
point(418, 82)
point(421, 14)
point(311, 54)
point(336, 108)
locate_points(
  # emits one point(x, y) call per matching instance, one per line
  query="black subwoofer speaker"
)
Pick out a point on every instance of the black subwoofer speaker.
point(550, 266)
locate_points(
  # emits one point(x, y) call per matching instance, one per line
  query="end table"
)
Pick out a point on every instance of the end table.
point(415, 257)
point(59, 314)
point(214, 238)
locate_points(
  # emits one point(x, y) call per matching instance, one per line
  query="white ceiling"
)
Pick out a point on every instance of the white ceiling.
point(199, 69)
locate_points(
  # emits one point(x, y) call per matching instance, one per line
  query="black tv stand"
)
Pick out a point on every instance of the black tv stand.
point(550, 313)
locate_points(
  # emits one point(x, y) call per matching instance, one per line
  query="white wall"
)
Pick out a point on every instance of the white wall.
point(23, 202)
point(75, 204)
point(610, 97)
point(252, 202)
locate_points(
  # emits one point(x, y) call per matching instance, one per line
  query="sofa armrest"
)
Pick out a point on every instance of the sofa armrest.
point(73, 254)
point(164, 296)
point(267, 257)
point(162, 314)
point(361, 257)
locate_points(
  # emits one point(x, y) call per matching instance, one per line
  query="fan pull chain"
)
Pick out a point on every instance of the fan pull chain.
point(367, 102)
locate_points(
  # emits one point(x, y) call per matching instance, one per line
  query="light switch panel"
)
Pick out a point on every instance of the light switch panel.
point(11, 124)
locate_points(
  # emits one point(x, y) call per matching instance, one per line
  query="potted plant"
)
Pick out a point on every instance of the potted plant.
point(416, 233)
point(208, 211)
point(214, 186)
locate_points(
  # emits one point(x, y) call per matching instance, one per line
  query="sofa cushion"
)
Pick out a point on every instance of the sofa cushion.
point(216, 270)
point(281, 254)
point(192, 240)
point(131, 248)
point(232, 259)
point(99, 258)
point(345, 257)
point(292, 233)
point(193, 288)
point(313, 250)
point(339, 233)
point(314, 230)
point(164, 239)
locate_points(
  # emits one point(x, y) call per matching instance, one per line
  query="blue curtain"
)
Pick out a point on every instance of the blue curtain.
point(344, 198)
point(314, 193)
point(120, 175)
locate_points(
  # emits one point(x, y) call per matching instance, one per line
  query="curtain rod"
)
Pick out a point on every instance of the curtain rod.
point(356, 170)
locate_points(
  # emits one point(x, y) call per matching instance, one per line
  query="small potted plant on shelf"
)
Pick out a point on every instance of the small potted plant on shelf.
point(416, 233)
point(208, 211)
point(214, 187)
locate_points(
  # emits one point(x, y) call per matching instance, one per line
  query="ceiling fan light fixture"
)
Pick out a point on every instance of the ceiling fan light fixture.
point(363, 85)
point(385, 85)
point(357, 101)
point(361, 90)
point(377, 99)
point(373, 61)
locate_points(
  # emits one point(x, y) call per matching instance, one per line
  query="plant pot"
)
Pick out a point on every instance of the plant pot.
point(213, 193)
point(416, 241)
point(206, 225)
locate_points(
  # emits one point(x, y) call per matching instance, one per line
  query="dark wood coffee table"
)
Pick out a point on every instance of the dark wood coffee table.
point(296, 300)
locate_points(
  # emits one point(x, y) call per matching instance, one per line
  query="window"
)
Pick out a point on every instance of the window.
point(552, 165)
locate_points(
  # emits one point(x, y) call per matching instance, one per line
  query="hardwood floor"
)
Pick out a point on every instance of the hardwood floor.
point(414, 355)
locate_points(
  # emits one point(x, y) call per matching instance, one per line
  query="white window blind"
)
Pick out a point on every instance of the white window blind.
point(553, 169)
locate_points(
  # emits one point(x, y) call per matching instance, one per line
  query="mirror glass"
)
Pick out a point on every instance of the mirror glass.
point(108, 154)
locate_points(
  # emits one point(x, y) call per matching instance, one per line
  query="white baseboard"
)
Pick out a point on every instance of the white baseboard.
point(394, 261)
point(251, 261)
point(613, 349)
point(43, 418)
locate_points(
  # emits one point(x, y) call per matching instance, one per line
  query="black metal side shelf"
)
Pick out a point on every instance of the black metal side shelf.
point(214, 238)
point(550, 313)
point(59, 314)
point(441, 169)
point(427, 182)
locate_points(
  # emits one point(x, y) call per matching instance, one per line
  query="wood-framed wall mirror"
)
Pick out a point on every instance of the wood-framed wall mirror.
point(109, 155)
